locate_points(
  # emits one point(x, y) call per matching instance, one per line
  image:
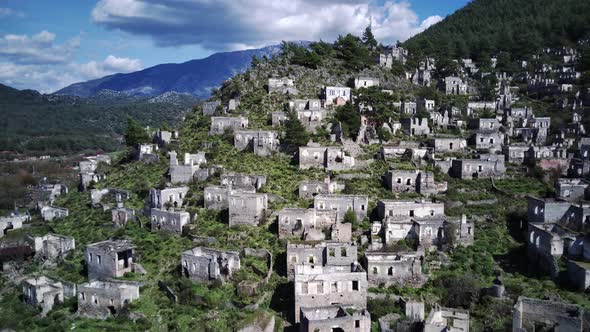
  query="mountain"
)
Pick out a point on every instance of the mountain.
point(520, 27)
point(195, 77)
point(58, 124)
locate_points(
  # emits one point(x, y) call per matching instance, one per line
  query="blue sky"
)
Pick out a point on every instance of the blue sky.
point(46, 45)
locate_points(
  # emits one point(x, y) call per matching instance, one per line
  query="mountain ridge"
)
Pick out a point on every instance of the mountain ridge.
point(196, 77)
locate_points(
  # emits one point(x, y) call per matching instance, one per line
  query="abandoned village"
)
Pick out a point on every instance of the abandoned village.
point(300, 197)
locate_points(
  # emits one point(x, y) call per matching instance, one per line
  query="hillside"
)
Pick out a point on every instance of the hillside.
point(36, 123)
point(519, 27)
point(428, 199)
point(196, 77)
point(223, 306)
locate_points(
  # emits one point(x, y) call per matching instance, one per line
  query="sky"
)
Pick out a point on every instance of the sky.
point(49, 44)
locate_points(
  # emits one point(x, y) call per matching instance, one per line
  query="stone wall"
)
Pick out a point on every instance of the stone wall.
point(101, 299)
point(321, 286)
point(169, 221)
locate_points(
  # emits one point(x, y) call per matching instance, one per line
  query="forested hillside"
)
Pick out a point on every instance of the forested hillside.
point(519, 27)
point(56, 125)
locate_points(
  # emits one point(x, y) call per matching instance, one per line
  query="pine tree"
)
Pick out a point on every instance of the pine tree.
point(295, 133)
point(135, 134)
point(349, 118)
point(369, 38)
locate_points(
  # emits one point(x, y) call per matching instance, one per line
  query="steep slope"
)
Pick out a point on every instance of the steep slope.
point(516, 26)
point(33, 122)
point(196, 77)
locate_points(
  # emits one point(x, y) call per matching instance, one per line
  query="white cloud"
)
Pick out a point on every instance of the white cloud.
point(38, 62)
point(110, 65)
point(49, 78)
point(227, 24)
point(122, 65)
point(37, 49)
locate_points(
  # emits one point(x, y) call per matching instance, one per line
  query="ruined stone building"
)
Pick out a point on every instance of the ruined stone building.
point(516, 153)
point(578, 168)
point(219, 124)
point(426, 105)
point(571, 189)
point(87, 179)
point(97, 196)
point(148, 152)
point(421, 182)
point(365, 82)
point(164, 137)
point(546, 243)
point(320, 286)
point(333, 95)
point(294, 222)
point(447, 319)
point(556, 228)
point(109, 259)
point(423, 221)
point(486, 139)
point(185, 173)
point(547, 210)
point(170, 221)
point(443, 119)
point(328, 158)
point(584, 147)
point(547, 157)
point(217, 197)
point(474, 107)
point(579, 272)
point(49, 213)
point(262, 142)
point(455, 86)
point(281, 85)
point(104, 299)
point(247, 208)
point(51, 247)
point(88, 173)
point(335, 318)
point(210, 107)
point(408, 149)
point(448, 144)
point(320, 253)
point(278, 118)
point(46, 194)
point(233, 104)
point(485, 167)
point(392, 53)
point(408, 208)
point(359, 204)
point(388, 268)
point(304, 104)
point(312, 224)
point(90, 163)
point(244, 181)
point(121, 215)
point(409, 107)
point(46, 293)
point(416, 126)
point(535, 315)
point(168, 197)
point(309, 188)
point(14, 221)
point(422, 77)
point(206, 264)
point(311, 119)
